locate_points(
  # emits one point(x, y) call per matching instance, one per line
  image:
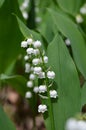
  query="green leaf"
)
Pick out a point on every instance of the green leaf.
point(46, 28)
point(70, 30)
point(26, 31)
point(70, 6)
point(68, 102)
point(5, 122)
point(17, 82)
point(10, 35)
point(29, 33)
point(83, 94)
point(1, 2)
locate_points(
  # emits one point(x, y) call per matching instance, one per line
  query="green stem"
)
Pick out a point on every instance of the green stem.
point(49, 99)
point(50, 107)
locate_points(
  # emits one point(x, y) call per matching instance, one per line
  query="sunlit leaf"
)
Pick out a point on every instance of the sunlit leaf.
point(10, 35)
point(70, 30)
point(1, 2)
point(68, 102)
point(70, 6)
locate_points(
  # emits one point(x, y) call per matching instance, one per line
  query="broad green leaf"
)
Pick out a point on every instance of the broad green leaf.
point(10, 35)
point(20, 2)
point(1, 2)
point(70, 30)
point(29, 33)
point(17, 82)
point(26, 31)
point(46, 28)
point(68, 102)
point(83, 95)
point(5, 122)
point(70, 6)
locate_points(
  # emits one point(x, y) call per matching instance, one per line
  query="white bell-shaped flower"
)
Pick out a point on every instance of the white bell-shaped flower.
point(36, 89)
point(24, 44)
point(27, 67)
point(42, 88)
point(37, 70)
point(37, 44)
point(53, 94)
point(30, 84)
point(28, 94)
point(42, 108)
point(29, 51)
point(51, 74)
point(32, 76)
point(36, 61)
point(45, 58)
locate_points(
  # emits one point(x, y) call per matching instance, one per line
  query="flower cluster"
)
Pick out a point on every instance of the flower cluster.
point(35, 67)
point(79, 17)
point(67, 42)
point(83, 9)
point(74, 124)
point(24, 8)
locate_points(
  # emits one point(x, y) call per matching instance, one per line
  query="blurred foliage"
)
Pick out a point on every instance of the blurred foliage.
point(51, 22)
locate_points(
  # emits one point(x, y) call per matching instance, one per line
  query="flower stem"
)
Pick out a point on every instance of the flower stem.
point(50, 108)
point(49, 99)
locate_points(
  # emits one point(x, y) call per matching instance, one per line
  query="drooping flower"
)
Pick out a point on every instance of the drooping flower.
point(36, 61)
point(41, 75)
point(37, 70)
point(30, 84)
point(79, 18)
point(42, 88)
point(29, 41)
point(51, 74)
point(32, 77)
point(26, 57)
point(37, 44)
point(67, 41)
point(42, 108)
point(24, 44)
point(27, 68)
point(53, 94)
point(28, 94)
point(36, 89)
point(36, 52)
point(29, 51)
point(45, 58)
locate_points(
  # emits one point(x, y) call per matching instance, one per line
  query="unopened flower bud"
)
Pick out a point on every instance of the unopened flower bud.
point(32, 77)
point(67, 41)
point(45, 58)
point(36, 89)
point(26, 57)
point(28, 94)
point(79, 18)
point(27, 67)
point(29, 84)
